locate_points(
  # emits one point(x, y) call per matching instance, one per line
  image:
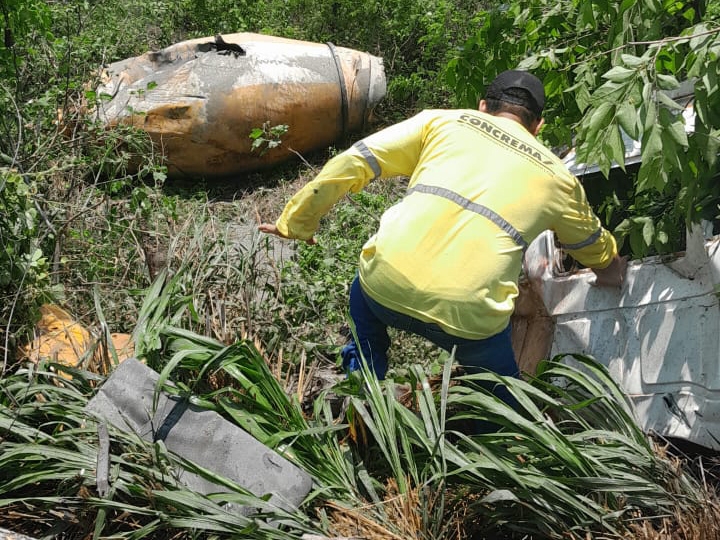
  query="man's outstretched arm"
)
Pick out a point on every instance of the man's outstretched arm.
point(271, 228)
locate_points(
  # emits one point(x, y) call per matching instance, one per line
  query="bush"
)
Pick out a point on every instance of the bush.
point(24, 266)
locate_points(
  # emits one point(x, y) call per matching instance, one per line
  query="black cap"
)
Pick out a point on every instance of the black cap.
point(518, 79)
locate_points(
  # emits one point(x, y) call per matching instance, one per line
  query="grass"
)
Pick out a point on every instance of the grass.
point(255, 338)
point(571, 462)
point(247, 335)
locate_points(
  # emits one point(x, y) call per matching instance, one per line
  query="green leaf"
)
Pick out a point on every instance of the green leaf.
point(667, 61)
point(627, 117)
point(615, 147)
point(666, 100)
point(653, 6)
point(619, 74)
point(650, 174)
point(581, 95)
point(667, 82)
point(701, 105)
point(626, 4)
point(586, 17)
point(676, 130)
point(713, 147)
point(603, 162)
point(610, 90)
point(710, 79)
point(695, 63)
point(499, 495)
point(623, 228)
point(632, 61)
point(648, 231)
point(600, 117)
point(530, 63)
point(700, 36)
point(652, 143)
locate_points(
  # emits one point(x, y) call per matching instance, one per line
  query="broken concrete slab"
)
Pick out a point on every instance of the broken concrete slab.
point(204, 437)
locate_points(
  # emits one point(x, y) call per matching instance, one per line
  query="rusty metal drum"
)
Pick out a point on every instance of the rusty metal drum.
point(199, 100)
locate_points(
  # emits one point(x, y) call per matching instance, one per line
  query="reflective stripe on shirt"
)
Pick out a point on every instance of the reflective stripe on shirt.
point(473, 207)
point(369, 157)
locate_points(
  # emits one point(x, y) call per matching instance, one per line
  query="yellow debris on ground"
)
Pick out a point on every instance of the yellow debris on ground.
point(63, 340)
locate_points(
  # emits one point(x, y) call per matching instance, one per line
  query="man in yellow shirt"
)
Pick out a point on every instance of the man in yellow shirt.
point(446, 259)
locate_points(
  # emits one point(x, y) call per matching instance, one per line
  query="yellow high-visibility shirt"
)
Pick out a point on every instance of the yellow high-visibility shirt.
point(450, 251)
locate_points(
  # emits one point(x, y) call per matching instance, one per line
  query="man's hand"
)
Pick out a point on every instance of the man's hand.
point(270, 228)
point(613, 275)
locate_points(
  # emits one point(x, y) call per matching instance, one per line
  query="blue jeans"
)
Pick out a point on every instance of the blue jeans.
point(474, 355)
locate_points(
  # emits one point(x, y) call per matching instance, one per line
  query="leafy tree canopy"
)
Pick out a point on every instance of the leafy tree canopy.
point(608, 67)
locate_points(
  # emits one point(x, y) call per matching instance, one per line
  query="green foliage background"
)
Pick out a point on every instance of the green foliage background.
point(89, 220)
point(97, 198)
point(97, 201)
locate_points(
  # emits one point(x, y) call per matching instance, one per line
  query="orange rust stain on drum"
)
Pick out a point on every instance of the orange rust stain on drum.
point(174, 118)
point(212, 137)
point(222, 145)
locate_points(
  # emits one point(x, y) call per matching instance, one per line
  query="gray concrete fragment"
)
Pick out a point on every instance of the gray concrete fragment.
point(102, 470)
point(203, 437)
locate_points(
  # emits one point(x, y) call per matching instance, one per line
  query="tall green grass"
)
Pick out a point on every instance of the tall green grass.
point(572, 461)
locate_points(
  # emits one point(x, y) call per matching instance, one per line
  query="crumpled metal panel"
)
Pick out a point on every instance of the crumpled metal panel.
point(199, 104)
point(659, 335)
point(203, 437)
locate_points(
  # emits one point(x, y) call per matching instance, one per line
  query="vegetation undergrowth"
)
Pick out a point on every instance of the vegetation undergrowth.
point(571, 462)
point(250, 327)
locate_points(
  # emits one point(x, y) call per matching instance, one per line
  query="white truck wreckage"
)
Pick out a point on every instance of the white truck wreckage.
point(659, 335)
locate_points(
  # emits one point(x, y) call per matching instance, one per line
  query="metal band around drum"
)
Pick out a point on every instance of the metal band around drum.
point(587, 242)
point(473, 207)
point(344, 106)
